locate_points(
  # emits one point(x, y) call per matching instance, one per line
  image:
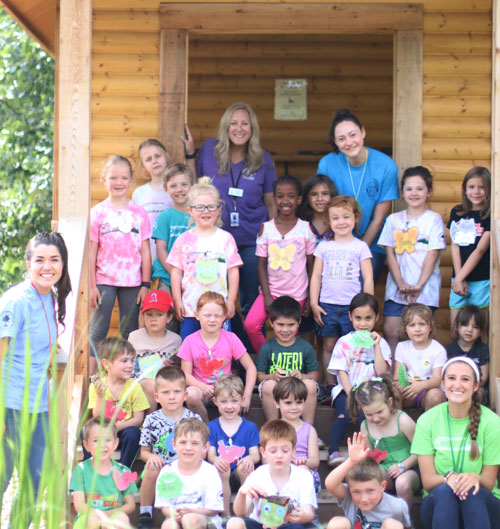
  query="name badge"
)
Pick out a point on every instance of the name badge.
point(234, 219)
point(235, 192)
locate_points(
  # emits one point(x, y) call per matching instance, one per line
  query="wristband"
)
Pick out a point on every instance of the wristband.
point(447, 475)
point(190, 156)
point(146, 284)
point(401, 467)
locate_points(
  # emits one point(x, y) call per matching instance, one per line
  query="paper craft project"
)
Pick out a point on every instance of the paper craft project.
point(110, 411)
point(211, 366)
point(463, 232)
point(405, 241)
point(403, 376)
point(122, 481)
point(230, 453)
point(169, 485)
point(150, 365)
point(378, 455)
point(273, 510)
point(362, 339)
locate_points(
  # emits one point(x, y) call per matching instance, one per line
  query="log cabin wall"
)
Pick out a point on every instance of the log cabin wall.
point(352, 71)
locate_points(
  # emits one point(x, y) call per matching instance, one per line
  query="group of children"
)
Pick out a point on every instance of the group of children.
point(316, 280)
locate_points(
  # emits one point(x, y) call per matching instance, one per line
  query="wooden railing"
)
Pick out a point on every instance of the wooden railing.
point(494, 341)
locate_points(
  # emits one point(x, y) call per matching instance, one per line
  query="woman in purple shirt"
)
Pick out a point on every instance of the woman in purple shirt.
point(244, 174)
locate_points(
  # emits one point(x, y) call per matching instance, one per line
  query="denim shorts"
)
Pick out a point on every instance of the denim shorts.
point(336, 320)
point(478, 293)
point(391, 308)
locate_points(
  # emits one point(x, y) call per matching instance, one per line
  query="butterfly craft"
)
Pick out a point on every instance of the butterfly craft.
point(122, 481)
point(405, 240)
point(110, 411)
point(281, 257)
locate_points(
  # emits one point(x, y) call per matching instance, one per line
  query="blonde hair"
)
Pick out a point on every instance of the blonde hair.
point(346, 202)
point(230, 384)
point(222, 151)
point(115, 159)
point(192, 425)
point(422, 311)
point(175, 170)
point(151, 142)
point(277, 429)
point(204, 186)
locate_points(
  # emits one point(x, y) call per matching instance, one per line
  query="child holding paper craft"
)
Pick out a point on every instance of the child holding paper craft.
point(103, 490)
point(208, 353)
point(117, 397)
point(234, 441)
point(363, 500)
point(356, 357)
point(389, 434)
point(419, 360)
point(277, 493)
point(413, 239)
point(469, 226)
point(154, 344)
point(290, 395)
point(157, 434)
point(189, 490)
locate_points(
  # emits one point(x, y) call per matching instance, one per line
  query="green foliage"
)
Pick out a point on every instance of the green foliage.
point(26, 143)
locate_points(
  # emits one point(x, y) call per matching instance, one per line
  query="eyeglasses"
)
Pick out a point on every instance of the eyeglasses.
point(201, 207)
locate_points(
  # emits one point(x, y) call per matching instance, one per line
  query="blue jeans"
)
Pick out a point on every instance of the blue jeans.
point(249, 278)
point(340, 424)
point(442, 508)
point(378, 261)
point(11, 443)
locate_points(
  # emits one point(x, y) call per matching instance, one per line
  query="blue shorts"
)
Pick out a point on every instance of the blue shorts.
point(391, 308)
point(478, 293)
point(336, 320)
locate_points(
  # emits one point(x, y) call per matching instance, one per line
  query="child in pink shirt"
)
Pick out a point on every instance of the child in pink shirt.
point(120, 258)
point(208, 353)
point(285, 247)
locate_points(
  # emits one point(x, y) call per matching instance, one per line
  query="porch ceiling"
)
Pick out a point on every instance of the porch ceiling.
point(37, 17)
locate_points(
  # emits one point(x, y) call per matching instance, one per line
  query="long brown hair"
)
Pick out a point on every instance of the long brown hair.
point(466, 206)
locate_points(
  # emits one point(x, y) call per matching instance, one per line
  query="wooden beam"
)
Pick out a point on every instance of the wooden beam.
point(302, 17)
point(495, 210)
point(173, 89)
point(408, 98)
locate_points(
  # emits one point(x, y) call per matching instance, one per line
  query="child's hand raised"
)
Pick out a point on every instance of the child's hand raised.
point(357, 448)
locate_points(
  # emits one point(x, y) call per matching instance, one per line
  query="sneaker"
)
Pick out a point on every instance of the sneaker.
point(321, 443)
point(145, 521)
point(335, 459)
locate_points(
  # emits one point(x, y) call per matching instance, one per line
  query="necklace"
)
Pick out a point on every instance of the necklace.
point(461, 456)
point(356, 193)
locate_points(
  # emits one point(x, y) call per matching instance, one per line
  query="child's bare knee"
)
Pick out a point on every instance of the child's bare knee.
point(267, 388)
point(235, 523)
point(390, 523)
point(339, 522)
point(169, 523)
point(192, 520)
point(403, 485)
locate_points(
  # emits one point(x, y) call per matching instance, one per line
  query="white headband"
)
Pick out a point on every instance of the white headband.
point(465, 360)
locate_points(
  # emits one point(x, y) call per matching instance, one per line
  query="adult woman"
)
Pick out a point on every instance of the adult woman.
point(244, 174)
point(29, 316)
point(366, 174)
point(458, 454)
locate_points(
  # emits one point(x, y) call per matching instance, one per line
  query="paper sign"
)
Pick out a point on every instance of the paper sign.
point(150, 365)
point(362, 339)
point(168, 486)
point(273, 514)
point(290, 99)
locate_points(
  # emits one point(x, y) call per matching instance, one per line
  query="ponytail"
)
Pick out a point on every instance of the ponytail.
point(474, 418)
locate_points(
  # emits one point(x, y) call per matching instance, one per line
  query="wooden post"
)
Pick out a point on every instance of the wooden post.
point(173, 90)
point(495, 209)
point(73, 158)
point(407, 97)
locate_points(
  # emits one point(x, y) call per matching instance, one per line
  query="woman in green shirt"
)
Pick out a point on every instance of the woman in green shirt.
point(458, 454)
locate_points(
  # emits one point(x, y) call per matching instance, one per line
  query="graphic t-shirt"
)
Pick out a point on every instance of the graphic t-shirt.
point(466, 231)
point(131, 399)
point(210, 363)
point(287, 258)
point(434, 435)
point(411, 240)
point(235, 447)
point(158, 433)
point(119, 234)
point(389, 507)
point(341, 269)
point(153, 353)
point(357, 362)
point(479, 352)
point(300, 355)
point(420, 362)
point(154, 201)
point(204, 262)
point(107, 491)
point(168, 226)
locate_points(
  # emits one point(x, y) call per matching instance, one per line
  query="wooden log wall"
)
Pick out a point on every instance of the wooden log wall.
point(351, 71)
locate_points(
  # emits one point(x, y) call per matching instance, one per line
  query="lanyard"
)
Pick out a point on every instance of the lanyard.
point(461, 457)
point(239, 176)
